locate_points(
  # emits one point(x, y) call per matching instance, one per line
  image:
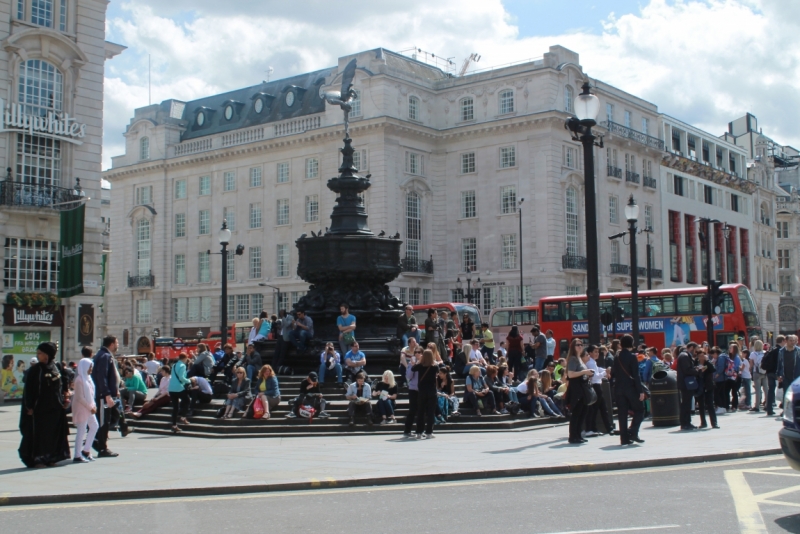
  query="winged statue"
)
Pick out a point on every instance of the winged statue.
point(345, 96)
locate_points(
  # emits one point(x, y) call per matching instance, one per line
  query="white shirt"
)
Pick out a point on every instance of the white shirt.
point(523, 388)
point(163, 386)
point(152, 367)
point(745, 368)
point(551, 346)
point(756, 358)
point(597, 378)
point(475, 356)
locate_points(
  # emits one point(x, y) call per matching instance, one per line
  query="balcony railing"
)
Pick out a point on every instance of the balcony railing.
point(414, 265)
point(629, 133)
point(34, 195)
point(614, 172)
point(568, 261)
point(649, 181)
point(632, 177)
point(142, 280)
point(621, 268)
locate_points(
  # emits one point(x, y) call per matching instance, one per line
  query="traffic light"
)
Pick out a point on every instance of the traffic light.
point(717, 295)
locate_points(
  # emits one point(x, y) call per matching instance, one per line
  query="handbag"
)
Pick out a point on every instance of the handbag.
point(645, 389)
point(589, 394)
point(348, 339)
point(258, 408)
point(691, 383)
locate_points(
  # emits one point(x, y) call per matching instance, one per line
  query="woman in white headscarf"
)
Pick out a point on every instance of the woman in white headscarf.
point(83, 412)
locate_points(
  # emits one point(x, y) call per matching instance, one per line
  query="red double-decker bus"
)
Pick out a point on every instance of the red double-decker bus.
point(667, 317)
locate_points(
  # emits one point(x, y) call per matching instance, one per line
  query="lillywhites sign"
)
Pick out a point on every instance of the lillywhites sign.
point(58, 126)
point(37, 317)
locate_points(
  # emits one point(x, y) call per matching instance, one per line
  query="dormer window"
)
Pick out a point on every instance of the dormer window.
point(258, 105)
point(290, 98)
point(228, 112)
point(200, 119)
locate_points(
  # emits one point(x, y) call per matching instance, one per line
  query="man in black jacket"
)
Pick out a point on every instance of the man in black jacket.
point(686, 367)
point(628, 392)
point(769, 363)
point(106, 383)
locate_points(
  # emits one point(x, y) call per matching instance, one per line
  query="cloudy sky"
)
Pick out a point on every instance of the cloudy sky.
point(703, 61)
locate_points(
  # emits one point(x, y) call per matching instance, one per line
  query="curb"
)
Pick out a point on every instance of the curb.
point(382, 481)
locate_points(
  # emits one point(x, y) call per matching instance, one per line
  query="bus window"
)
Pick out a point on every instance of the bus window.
point(501, 318)
point(652, 307)
point(625, 304)
point(727, 304)
point(525, 317)
point(553, 311)
point(578, 310)
point(668, 305)
point(690, 304)
point(242, 334)
point(748, 307)
point(563, 348)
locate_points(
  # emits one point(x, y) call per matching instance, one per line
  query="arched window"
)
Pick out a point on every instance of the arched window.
point(413, 108)
point(413, 226)
point(144, 148)
point(143, 247)
point(568, 99)
point(40, 91)
point(467, 109)
point(572, 221)
point(764, 213)
point(355, 104)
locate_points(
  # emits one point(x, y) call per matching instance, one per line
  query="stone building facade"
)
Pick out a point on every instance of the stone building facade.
point(450, 159)
point(51, 79)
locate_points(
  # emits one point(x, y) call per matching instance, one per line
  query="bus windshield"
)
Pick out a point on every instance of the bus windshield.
point(748, 308)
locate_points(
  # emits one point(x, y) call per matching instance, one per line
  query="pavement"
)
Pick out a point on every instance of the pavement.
point(175, 466)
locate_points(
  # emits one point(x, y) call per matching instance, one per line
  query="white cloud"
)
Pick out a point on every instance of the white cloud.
point(705, 62)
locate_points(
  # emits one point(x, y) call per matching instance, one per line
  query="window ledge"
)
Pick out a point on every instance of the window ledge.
point(507, 168)
point(307, 223)
point(258, 228)
point(414, 121)
point(464, 123)
point(505, 115)
point(460, 219)
point(514, 213)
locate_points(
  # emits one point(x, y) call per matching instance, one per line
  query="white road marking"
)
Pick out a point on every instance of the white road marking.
point(626, 529)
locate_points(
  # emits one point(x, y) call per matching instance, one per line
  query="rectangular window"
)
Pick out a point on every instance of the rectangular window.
point(508, 157)
point(508, 199)
point(256, 304)
point(283, 212)
point(230, 265)
point(628, 117)
point(735, 202)
point(255, 262)
point(30, 265)
point(708, 194)
point(204, 268)
point(360, 160)
point(180, 189)
point(180, 268)
point(426, 296)
point(468, 210)
point(468, 162)
point(506, 101)
point(283, 173)
point(404, 298)
point(229, 214)
point(413, 108)
point(413, 296)
point(645, 126)
point(229, 181)
point(255, 177)
point(180, 225)
point(179, 310)
point(610, 112)
point(613, 209)
point(312, 168)
point(204, 227)
point(678, 185)
point(242, 307)
point(355, 104)
point(648, 216)
point(21, 9)
point(144, 195)
point(143, 311)
point(469, 254)
point(615, 252)
point(255, 215)
point(783, 258)
point(569, 157)
point(573, 290)
point(509, 258)
point(312, 208)
point(690, 244)
point(205, 308)
point(42, 13)
point(193, 309)
point(231, 308)
point(283, 260)
point(414, 163)
point(783, 230)
point(674, 246)
point(205, 185)
point(467, 109)
point(62, 19)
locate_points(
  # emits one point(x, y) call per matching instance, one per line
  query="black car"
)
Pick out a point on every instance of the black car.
point(789, 435)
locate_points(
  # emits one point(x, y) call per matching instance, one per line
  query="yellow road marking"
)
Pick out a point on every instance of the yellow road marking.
point(782, 503)
point(747, 511)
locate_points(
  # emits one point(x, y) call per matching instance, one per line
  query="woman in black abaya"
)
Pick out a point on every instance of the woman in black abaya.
point(43, 421)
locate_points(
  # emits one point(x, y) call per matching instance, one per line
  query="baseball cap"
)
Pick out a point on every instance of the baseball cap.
point(313, 376)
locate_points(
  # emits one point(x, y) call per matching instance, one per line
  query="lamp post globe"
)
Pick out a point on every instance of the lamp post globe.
point(587, 106)
point(632, 210)
point(224, 233)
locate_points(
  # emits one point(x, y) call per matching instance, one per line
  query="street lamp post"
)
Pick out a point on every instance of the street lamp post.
point(587, 107)
point(648, 231)
point(470, 292)
point(519, 207)
point(277, 295)
point(224, 238)
point(632, 215)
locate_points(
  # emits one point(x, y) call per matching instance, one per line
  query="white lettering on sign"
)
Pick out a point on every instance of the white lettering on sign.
point(63, 127)
point(42, 317)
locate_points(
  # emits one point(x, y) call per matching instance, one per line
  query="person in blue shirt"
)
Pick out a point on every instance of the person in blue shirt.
point(347, 327)
point(178, 393)
point(303, 331)
point(355, 360)
point(330, 363)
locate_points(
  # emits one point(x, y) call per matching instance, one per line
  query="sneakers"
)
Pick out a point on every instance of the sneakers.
point(88, 456)
point(291, 415)
point(423, 436)
point(408, 435)
point(352, 421)
point(383, 422)
point(721, 411)
point(504, 412)
point(80, 460)
point(322, 415)
point(429, 436)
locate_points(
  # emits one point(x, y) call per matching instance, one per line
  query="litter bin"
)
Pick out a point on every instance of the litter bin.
point(664, 399)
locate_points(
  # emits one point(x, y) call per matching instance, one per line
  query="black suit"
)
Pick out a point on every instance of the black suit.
point(685, 368)
point(627, 388)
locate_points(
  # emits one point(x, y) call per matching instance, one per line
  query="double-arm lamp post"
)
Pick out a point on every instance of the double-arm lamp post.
point(587, 106)
point(472, 293)
point(224, 237)
point(277, 295)
point(632, 216)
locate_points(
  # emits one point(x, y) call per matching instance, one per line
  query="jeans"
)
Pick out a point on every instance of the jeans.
point(251, 370)
point(747, 384)
point(488, 353)
point(513, 395)
point(300, 338)
point(415, 334)
point(386, 407)
point(365, 408)
point(732, 393)
point(539, 363)
point(772, 380)
point(760, 382)
point(548, 406)
point(323, 371)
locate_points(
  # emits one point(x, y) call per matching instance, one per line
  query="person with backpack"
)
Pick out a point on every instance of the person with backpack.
point(769, 364)
point(310, 395)
point(759, 374)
